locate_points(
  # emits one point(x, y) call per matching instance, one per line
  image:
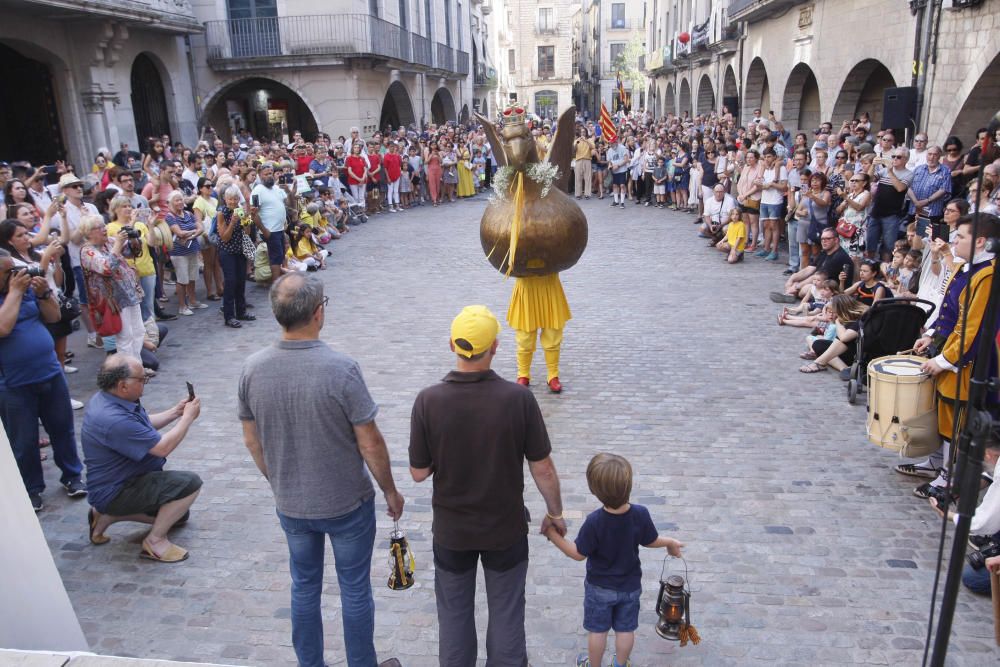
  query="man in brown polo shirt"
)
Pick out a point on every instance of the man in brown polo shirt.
point(472, 432)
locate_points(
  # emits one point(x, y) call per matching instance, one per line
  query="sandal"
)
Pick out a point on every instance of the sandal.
point(813, 368)
point(212, 297)
point(91, 523)
point(172, 555)
point(234, 323)
point(808, 356)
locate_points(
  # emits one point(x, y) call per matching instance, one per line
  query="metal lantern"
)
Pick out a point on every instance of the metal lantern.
point(672, 608)
point(401, 561)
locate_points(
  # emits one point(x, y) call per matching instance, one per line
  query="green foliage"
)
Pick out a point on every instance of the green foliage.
point(627, 62)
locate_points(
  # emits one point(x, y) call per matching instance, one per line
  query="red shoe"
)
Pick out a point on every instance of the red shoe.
point(555, 386)
point(523, 381)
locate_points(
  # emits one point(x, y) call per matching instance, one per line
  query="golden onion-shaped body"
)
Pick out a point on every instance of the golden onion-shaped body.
point(552, 237)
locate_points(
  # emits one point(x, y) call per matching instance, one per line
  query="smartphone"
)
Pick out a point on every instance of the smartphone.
point(255, 201)
point(143, 215)
point(190, 388)
point(922, 225)
point(941, 230)
point(49, 169)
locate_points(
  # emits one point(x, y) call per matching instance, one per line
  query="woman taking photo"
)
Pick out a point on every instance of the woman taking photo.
point(854, 210)
point(748, 196)
point(233, 246)
point(184, 253)
point(816, 199)
point(137, 252)
point(112, 283)
point(204, 209)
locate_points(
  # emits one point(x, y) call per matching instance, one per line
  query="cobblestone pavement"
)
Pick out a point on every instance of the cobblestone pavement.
point(803, 546)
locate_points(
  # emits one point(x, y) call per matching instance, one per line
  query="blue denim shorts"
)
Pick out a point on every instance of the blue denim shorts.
point(770, 211)
point(605, 609)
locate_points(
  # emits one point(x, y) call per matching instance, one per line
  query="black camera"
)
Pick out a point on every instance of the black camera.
point(34, 271)
point(941, 495)
point(132, 233)
point(977, 559)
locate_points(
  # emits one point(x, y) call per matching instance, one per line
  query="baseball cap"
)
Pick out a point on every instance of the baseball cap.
point(473, 331)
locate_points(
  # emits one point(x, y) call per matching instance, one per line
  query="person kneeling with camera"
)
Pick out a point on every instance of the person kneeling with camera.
point(985, 528)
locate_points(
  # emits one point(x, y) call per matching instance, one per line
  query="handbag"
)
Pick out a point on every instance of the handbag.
point(846, 229)
point(815, 226)
point(107, 320)
point(920, 435)
point(69, 308)
point(249, 249)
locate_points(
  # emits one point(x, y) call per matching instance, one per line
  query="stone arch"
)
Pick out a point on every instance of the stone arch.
point(756, 92)
point(397, 110)
point(32, 129)
point(684, 104)
point(442, 107)
point(670, 100)
point(149, 100)
point(245, 101)
point(800, 108)
point(731, 92)
point(862, 91)
point(976, 109)
point(706, 95)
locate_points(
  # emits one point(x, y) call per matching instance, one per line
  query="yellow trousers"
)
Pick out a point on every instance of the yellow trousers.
point(551, 342)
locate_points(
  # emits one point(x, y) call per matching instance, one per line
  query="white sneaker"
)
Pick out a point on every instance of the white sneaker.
point(92, 341)
point(69, 370)
point(185, 311)
point(75, 403)
point(199, 306)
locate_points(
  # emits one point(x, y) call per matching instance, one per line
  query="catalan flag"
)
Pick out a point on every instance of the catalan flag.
point(607, 125)
point(620, 87)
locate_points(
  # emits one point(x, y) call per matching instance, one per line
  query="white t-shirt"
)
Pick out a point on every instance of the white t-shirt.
point(272, 206)
point(718, 211)
point(773, 196)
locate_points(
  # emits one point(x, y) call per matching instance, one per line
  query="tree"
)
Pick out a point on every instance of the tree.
point(629, 63)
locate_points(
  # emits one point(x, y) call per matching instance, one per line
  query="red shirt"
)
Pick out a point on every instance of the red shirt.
point(355, 164)
point(393, 165)
point(302, 164)
point(374, 161)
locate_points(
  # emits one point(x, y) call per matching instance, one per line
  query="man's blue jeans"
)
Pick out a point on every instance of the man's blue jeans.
point(885, 230)
point(977, 581)
point(20, 409)
point(353, 538)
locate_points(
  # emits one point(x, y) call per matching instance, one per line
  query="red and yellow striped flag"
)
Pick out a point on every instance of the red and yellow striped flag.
point(607, 125)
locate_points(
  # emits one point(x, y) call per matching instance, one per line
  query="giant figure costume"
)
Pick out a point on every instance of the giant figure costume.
point(532, 230)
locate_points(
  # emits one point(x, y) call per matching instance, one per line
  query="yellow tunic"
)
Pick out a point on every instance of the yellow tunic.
point(538, 302)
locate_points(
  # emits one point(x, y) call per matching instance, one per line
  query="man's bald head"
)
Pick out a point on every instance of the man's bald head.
point(295, 298)
point(115, 369)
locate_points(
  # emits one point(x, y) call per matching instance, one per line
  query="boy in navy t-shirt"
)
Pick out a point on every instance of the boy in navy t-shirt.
point(609, 541)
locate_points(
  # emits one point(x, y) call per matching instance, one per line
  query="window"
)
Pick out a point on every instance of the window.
point(459, 26)
point(546, 103)
point(546, 20)
point(546, 62)
point(618, 15)
point(404, 20)
point(616, 52)
point(511, 66)
point(447, 22)
point(373, 7)
point(428, 19)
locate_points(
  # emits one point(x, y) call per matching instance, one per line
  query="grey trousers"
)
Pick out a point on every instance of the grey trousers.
point(455, 590)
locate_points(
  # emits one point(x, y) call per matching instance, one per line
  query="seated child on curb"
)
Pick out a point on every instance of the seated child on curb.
point(609, 541)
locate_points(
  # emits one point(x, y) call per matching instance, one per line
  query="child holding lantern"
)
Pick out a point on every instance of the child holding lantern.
point(609, 541)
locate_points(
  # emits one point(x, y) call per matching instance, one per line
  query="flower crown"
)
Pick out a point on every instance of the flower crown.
point(514, 115)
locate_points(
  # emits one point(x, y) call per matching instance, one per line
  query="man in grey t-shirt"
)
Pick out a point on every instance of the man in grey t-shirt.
point(309, 423)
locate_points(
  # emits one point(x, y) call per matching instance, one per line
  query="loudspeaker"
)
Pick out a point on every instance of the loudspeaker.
point(899, 106)
point(733, 104)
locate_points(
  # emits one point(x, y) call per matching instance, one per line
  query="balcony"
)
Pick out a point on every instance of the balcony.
point(485, 77)
point(619, 24)
point(658, 61)
point(546, 29)
point(462, 63)
point(756, 10)
point(174, 16)
point(328, 39)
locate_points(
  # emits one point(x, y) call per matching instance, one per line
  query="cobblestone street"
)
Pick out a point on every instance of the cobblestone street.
point(804, 547)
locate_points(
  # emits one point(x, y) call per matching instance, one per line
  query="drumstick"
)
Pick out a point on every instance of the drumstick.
point(995, 586)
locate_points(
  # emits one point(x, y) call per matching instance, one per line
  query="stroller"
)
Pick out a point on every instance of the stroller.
point(889, 326)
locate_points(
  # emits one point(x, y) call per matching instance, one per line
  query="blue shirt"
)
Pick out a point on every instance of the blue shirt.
point(611, 544)
point(187, 223)
point(925, 184)
point(116, 436)
point(27, 354)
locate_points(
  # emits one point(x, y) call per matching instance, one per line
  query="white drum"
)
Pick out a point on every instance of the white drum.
point(897, 390)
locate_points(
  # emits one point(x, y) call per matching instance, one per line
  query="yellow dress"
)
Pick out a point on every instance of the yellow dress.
point(466, 186)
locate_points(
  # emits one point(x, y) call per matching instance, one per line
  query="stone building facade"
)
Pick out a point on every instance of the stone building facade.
point(616, 23)
point(93, 75)
point(540, 41)
point(825, 60)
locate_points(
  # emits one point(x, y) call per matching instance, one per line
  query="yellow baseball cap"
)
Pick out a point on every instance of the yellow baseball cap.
point(473, 331)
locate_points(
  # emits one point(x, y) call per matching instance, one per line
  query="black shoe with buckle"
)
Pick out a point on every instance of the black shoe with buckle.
point(75, 488)
point(36, 501)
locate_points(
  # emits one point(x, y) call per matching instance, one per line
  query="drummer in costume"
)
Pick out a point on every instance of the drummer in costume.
point(532, 230)
point(952, 367)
